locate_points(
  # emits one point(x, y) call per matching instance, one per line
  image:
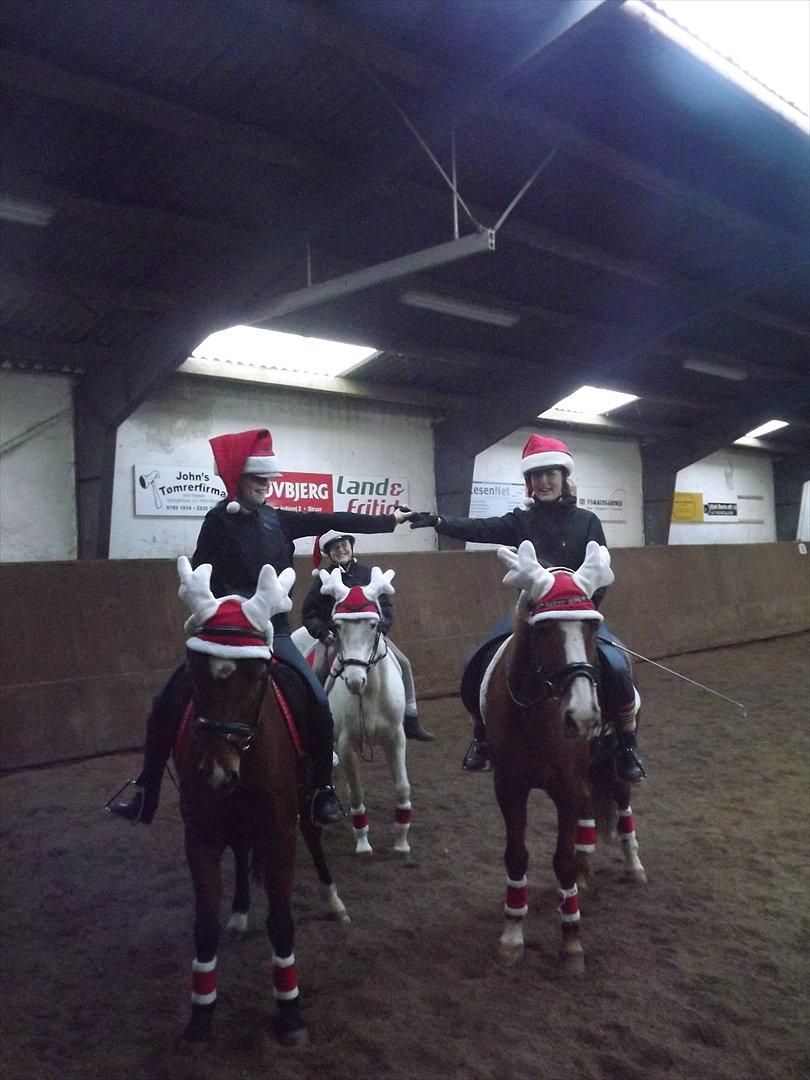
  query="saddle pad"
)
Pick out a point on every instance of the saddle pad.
point(488, 675)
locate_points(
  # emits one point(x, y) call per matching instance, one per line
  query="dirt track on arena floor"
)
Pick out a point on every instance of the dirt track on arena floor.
point(702, 973)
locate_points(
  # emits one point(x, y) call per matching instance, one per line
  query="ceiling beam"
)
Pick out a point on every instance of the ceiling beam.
point(45, 286)
point(755, 366)
point(50, 354)
point(37, 78)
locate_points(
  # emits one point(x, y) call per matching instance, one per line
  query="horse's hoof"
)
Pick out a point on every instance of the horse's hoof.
point(364, 849)
point(401, 849)
point(572, 963)
point(238, 923)
point(510, 954)
point(635, 877)
point(294, 1039)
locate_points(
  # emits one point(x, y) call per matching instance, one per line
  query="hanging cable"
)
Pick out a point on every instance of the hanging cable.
point(523, 190)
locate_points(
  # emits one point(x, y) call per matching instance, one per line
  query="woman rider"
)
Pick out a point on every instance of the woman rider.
point(560, 532)
point(316, 614)
point(238, 536)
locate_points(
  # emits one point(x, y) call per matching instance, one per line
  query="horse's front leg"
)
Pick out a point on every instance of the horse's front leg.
point(395, 753)
point(351, 768)
point(633, 870)
point(292, 1030)
point(313, 835)
point(238, 922)
point(512, 799)
point(565, 867)
point(204, 864)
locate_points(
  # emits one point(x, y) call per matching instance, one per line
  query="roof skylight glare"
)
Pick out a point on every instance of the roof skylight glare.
point(255, 347)
point(762, 45)
point(764, 429)
point(588, 401)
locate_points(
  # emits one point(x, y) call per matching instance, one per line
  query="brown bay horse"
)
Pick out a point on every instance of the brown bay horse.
point(539, 701)
point(238, 776)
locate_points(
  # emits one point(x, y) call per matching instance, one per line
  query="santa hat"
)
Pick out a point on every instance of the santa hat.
point(542, 453)
point(245, 452)
point(566, 599)
point(322, 542)
point(230, 633)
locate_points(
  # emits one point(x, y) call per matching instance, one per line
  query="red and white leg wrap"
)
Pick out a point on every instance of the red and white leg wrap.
point(359, 817)
point(402, 814)
point(204, 982)
point(627, 830)
point(285, 981)
point(517, 898)
point(569, 905)
point(586, 835)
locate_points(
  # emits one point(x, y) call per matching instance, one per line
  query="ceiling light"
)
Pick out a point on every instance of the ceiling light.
point(445, 305)
point(588, 401)
point(24, 212)
point(720, 371)
point(252, 346)
point(764, 429)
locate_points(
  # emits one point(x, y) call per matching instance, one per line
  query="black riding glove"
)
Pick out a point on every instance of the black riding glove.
point(424, 521)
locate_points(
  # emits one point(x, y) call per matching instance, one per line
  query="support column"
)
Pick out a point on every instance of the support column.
point(789, 476)
point(658, 477)
point(457, 440)
point(94, 471)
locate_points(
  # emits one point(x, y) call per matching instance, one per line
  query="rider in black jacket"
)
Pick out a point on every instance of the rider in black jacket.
point(238, 536)
point(316, 614)
point(560, 531)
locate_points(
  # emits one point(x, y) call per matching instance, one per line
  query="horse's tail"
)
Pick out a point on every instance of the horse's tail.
point(605, 810)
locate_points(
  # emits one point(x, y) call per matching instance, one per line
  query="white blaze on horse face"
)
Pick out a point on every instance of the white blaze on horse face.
point(583, 706)
point(221, 668)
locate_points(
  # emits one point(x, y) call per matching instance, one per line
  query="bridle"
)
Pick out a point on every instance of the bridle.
point(238, 734)
point(553, 683)
point(342, 662)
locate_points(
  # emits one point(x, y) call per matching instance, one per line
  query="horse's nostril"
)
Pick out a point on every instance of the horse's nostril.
point(570, 727)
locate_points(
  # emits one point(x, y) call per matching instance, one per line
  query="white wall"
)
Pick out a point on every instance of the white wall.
point(311, 433)
point(37, 486)
point(738, 476)
point(599, 463)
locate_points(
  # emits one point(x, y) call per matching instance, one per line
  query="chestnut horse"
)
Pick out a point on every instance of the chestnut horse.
point(238, 780)
point(539, 701)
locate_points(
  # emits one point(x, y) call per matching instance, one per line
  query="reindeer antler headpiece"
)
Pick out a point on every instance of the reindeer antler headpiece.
point(558, 594)
point(357, 602)
point(232, 626)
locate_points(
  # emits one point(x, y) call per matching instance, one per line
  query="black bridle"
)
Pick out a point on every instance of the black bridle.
point(350, 661)
point(553, 683)
point(239, 735)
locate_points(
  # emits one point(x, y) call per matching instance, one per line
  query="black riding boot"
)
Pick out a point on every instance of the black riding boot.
point(326, 809)
point(414, 730)
point(629, 766)
point(161, 728)
point(476, 760)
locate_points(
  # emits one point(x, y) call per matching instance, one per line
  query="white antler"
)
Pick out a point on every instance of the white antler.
point(595, 572)
point(272, 596)
point(525, 571)
point(195, 589)
point(380, 584)
point(333, 585)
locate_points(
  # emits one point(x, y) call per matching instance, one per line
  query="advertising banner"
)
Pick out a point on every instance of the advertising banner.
point(609, 504)
point(687, 506)
point(189, 491)
point(490, 499)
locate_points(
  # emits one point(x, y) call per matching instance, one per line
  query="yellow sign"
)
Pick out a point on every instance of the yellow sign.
point(687, 506)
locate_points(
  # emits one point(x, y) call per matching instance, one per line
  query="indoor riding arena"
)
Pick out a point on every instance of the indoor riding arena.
point(472, 275)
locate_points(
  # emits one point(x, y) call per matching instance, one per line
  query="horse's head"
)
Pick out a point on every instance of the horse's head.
point(556, 606)
point(229, 641)
point(356, 615)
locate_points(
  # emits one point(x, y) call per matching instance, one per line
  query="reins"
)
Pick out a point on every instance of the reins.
point(553, 684)
point(238, 734)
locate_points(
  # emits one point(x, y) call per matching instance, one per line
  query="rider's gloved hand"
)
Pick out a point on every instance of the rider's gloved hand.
point(402, 513)
point(423, 520)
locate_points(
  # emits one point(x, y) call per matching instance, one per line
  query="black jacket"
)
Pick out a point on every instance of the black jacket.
point(238, 545)
point(560, 532)
point(316, 612)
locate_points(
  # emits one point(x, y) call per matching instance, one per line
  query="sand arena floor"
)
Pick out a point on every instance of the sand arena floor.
point(703, 973)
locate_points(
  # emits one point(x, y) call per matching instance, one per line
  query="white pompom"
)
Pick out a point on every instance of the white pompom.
point(528, 503)
point(233, 507)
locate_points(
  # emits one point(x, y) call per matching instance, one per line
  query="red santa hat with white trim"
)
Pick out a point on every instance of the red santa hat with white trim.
point(244, 452)
point(543, 453)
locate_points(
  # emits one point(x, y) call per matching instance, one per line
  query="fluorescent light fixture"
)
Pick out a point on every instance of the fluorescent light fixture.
point(762, 47)
point(24, 212)
point(587, 401)
point(251, 346)
point(720, 371)
point(446, 305)
point(764, 429)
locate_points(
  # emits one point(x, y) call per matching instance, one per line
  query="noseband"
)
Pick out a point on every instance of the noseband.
point(553, 683)
point(373, 659)
point(239, 735)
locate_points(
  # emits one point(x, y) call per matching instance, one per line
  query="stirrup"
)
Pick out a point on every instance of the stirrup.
point(476, 758)
point(123, 788)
